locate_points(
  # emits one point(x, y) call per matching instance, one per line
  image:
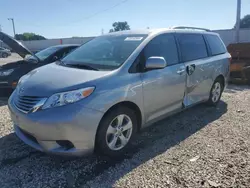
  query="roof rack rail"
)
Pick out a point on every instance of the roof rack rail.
point(185, 27)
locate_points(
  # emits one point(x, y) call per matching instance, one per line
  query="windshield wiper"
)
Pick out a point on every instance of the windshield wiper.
point(82, 66)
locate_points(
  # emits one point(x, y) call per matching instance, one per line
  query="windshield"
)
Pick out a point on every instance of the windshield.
point(43, 54)
point(105, 52)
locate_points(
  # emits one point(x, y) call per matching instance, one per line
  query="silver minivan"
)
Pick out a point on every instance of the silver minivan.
point(100, 95)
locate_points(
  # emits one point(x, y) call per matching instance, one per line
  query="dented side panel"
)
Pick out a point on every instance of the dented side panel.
point(200, 81)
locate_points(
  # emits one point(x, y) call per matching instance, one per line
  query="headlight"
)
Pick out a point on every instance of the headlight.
point(6, 72)
point(60, 99)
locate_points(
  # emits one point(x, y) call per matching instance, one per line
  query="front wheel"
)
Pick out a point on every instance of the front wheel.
point(116, 131)
point(215, 93)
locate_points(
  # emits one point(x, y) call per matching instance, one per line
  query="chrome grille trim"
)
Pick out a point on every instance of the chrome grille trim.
point(27, 104)
point(19, 108)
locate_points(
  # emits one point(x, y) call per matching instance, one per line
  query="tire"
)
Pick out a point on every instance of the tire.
point(110, 132)
point(4, 55)
point(215, 92)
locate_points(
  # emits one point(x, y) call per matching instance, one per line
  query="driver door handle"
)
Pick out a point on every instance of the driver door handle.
point(180, 71)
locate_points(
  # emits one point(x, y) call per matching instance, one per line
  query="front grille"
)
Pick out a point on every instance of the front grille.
point(4, 84)
point(26, 103)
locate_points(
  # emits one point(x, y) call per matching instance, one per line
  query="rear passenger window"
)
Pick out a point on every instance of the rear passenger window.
point(192, 46)
point(215, 44)
point(164, 46)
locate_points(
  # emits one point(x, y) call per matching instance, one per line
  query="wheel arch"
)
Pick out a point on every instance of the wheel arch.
point(128, 104)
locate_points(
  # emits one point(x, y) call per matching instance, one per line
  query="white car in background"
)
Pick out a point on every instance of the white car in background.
point(4, 53)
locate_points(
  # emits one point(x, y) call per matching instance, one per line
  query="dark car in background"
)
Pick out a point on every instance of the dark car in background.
point(10, 73)
point(4, 52)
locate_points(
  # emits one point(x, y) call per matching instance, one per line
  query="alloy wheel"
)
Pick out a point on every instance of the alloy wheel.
point(216, 92)
point(119, 132)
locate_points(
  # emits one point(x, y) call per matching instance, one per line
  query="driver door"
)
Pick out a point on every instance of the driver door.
point(163, 89)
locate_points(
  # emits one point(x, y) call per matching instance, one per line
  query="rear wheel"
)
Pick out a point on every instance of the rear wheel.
point(116, 131)
point(215, 93)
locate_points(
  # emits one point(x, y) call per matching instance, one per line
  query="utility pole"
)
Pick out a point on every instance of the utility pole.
point(13, 24)
point(0, 28)
point(102, 31)
point(237, 25)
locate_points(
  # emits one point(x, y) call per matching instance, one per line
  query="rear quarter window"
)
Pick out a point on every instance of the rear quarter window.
point(215, 44)
point(192, 46)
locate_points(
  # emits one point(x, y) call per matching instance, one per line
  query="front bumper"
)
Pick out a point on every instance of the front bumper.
point(46, 129)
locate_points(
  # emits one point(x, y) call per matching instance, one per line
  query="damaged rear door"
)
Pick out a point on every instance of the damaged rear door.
point(194, 55)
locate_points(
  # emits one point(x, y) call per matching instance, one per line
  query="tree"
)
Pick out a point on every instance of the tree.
point(119, 26)
point(29, 36)
point(245, 22)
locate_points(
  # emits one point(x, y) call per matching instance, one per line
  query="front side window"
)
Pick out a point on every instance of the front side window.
point(192, 46)
point(215, 44)
point(104, 52)
point(43, 54)
point(63, 52)
point(164, 46)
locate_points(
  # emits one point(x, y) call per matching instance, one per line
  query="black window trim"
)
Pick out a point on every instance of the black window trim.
point(207, 46)
point(178, 48)
point(181, 59)
point(133, 67)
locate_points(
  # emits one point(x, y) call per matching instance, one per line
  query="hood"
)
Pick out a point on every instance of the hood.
point(16, 46)
point(50, 79)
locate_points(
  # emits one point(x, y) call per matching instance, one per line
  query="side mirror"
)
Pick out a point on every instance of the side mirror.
point(155, 63)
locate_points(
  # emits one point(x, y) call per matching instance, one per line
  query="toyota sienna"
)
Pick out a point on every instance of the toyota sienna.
point(100, 95)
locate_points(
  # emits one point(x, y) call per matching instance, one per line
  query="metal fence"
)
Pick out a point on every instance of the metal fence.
point(42, 44)
point(228, 36)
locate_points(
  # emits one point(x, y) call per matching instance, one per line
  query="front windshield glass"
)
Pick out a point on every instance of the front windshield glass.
point(43, 54)
point(105, 52)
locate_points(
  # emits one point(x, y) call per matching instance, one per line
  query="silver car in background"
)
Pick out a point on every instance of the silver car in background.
point(4, 53)
point(105, 91)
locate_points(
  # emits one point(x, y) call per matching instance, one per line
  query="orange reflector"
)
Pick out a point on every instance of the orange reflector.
point(14, 84)
point(87, 92)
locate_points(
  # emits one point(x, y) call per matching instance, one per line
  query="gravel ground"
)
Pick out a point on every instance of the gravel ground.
point(200, 147)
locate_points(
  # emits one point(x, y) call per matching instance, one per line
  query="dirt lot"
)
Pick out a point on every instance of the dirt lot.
point(201, 147)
